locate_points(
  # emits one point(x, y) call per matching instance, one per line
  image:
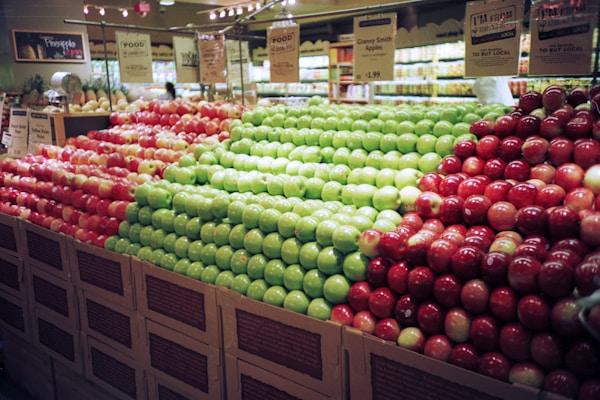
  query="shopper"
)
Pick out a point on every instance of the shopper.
point(169, 92)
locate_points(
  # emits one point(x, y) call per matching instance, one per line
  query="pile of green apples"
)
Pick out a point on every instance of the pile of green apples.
point(276, 211)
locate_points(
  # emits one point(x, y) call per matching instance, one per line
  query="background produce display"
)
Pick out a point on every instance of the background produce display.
point(465, 233)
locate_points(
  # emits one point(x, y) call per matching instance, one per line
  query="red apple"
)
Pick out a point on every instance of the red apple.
point(533, 312)
point(495, 365)
point(563, 222)
point(457, 325)
point(451, 209)
point(529, 101)
point(485, 333)
point(430, 317)
point(564, 317)
point(488, 146)
point(381, 302)
point(583, 358)
point(364, 321)
point(427, 204)
point(589, 390)
point(526, 373)
point(449, 185)
point(495, 168)
point(503, 304)
point(405, 310)
point(387, 329)
point(438, 347)
point(398, 277)
point(579, 199)
point(589, 229)
point(585, 152)
point(505, 125)
point(534, 149)
point(547, 350)
point(447, 289)
point(342, 314)
point(532, 220)
point(377, 271)
point(510, 148)
point(550, 195)
point(450, 164)
point(482, 127)
point(465, 356)
point(527, 125)
point(411, 338)
point(552, 126)
point(358, 295)
point(586, 277)
point(515, 341)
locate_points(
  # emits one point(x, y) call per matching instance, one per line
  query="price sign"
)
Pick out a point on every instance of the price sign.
point(212, 61)
point(135, 57)
point(562, 34)
point(284, 53)
point(18, 131)
point(374, 46)
point(186, 59)
point(40, 130)
point(493, 37)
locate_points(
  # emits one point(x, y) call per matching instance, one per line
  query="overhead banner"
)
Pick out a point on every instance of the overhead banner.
point(493, 37)
point(18, 129)
point(283, 45)
point(40, 130)
point(212, 58)
point(238, 62)
point(374, 47)
point(187, 62)
point(562, 34)
point(135, 57)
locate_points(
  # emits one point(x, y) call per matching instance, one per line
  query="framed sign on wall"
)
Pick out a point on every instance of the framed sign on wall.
point(39, 46)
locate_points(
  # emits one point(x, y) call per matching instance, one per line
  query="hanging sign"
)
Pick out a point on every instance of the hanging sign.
point(18, 128)
point(187, 62)
point(40, 130)
point(374, 47)
point(283, 44)
point(36, 46)
point(135, 57)
point(212, 57)
point(238, 62)
point(493, 37)
point(562, 34)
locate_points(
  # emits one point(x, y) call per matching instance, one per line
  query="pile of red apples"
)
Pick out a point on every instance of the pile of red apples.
point(82, 189)
point(494, 268)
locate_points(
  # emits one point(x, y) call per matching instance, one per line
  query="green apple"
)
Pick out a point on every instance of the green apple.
point(312, 154)
point(157, 255)
point(286, 224)
point(313, 282)
point(307, 169)
point(141, 193)
point(195, 269)
point(204, 208)
point(145, 215)
point(361, 222)
point(405, 126)
point(326, 138)
point(235, 211)
point(210, 273)
point(339, 173)
point(336, 288)
point(224, 279)
point(158, 238)
point(169, 242)
point(240, 284)
point(408, 195)
point(253, 240)
point(354, 139)
point(304, 208)
point(271, 246)
point(257, 288)
point(345, 238)
point(387, 198)
point(181, 266)
point(368, 175)
point(332, 191)
point(308, 255)
point(339, 139)
point(375, 125)
point(355, 265)
point(296, 301)
point(387, 142)
point(445, 145)
point(357, 158)
point(134, 231)
point(146, 235)
point(293, 277)
point(429, 162)
point(426, 143)
point(424, 127)
point(180, 223)
point(371, 141)
point(239, 261)
point(407, 177)
point(407, 142)
point(283, 205)
point(290, 250)
point(236, 236)
point(391, 160)
point(314, 187)
point(390, 126)
point(207, 232)
point(464, 127)
point(319, 308)
point(295, 186)
point(195, 250)
point(275, 296)
point(347, 193)
point(251, 215)
point(443, 127)
point(145, 253)
point(409, 160)
point(305, 228)
point(131, 212)
point(385, 177)
point(223, 257)
point(256, 266)
point(322, 213)
point(391, 215)
point(190, 206)
point(324, 232)
point(167, 220)
point(208, 253)
point(168, 261)
point(340, 156)
point(181, 246)
point(363, 195)
point(314, 133)
point(274, 271)
point(345, 123)
point(374, 159)
point(329, 260)
point(201, 171)
point(278, 166)
point(221, 233)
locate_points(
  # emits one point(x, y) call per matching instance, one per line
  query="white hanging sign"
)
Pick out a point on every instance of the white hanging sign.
point(374, 47)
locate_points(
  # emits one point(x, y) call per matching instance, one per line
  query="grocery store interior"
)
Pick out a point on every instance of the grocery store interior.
point(299, 199)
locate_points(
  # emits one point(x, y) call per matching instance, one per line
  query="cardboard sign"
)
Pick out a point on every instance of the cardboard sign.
point(35, 46)
point(493, 37)
point(40, 130)
point(283, 44)
point(135, 57)
point(211, 47)
point(238, 62)
point(187, 61)
point(374, 47)
point(18, 129)
point(562, 34)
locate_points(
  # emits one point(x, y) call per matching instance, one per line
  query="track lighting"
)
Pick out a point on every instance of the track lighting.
point(102, 11)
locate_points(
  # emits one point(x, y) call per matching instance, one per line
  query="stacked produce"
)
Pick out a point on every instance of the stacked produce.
point(83, 188)
point(469, 234)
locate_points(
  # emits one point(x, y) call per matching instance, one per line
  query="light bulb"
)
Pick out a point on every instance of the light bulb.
point(213, 15)
point(222, 14)
point(124, 12)
point(239, 11)
point(250, 7)
point(102, 11)
point(291, 2)
point(231, 12)
point(86, 10)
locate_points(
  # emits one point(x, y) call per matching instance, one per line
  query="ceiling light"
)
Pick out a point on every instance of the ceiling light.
point(102, 11)
point(212, 15)
point(222, 14)
point(124, 12)
point(250, 7)
point(166, 2)
point(86, 9)
point(239, 10)
point(231, 12)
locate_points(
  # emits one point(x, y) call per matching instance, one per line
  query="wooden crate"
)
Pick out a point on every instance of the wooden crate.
point(12, 276)
point(46, 249)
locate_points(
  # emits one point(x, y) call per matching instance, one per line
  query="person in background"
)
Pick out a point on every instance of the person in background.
point(169, 92)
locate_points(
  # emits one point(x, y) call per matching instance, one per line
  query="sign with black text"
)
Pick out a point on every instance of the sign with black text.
point(238, 62)
point(212, 58)
point(493, 37)
point(283, 45)
point(562, 34)
point(40, 130)
point(187, 62)
point(374, 47)
point(18, 130)
point(135, 57)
